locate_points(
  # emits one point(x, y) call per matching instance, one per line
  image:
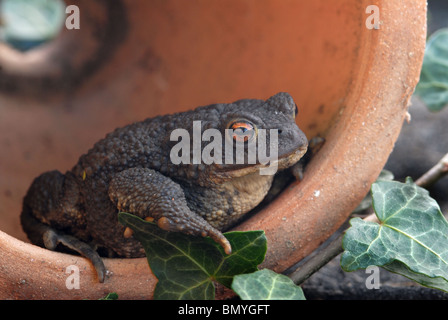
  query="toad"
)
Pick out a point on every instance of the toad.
point(132, 170)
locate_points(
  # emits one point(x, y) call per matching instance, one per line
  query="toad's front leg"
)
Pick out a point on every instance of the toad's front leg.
point(147, 193)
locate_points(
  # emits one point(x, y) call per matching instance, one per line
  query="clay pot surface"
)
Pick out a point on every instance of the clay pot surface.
point(133, 59)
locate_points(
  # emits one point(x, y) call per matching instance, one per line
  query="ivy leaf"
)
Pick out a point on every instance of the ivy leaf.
point(411, 239)
point(266, 285)
point(433, 85)
point(110, 296)
point(186, 266)
point(367, 201)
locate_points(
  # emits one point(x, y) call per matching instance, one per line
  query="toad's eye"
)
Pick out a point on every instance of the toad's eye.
point(242, 131)
point(296, 111)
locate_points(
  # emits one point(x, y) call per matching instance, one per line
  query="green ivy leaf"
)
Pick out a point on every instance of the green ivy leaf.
point(186, 266)
point(433, 85)
point(266, 285)
point(411, 239)
point(110, 296)
point(367, 201)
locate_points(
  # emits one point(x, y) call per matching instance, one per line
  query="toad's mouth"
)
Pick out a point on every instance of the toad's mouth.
point(270, 168)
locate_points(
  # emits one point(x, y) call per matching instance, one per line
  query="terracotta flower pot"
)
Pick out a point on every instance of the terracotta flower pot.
point(133, 59)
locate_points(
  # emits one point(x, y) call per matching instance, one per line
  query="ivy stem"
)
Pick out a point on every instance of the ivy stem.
point(317, 261)
point(434, 174)
point(334, 248)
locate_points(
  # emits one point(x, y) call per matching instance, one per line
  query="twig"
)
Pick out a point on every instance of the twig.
point(434, 174)
point(326, 255)
point(334, 248)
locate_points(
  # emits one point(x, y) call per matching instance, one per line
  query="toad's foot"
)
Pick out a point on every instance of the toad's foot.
point(51, 239)
point(145, 192)
point(45, 236)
